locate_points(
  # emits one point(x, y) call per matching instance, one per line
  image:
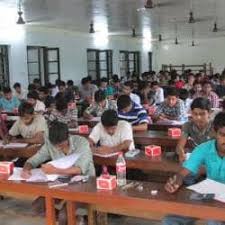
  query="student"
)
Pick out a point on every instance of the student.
point(115, 82)
point(63, 114)
point(196, 90)
point(184, 96)
point(133, 113)
point(33, 99)
point(31, 127)
point(199, 129)
point(113, 135)
point(101, 104)
point(127, 90)
point(108, 90)
point(207, 92)
point(191, 79)
point(210, 155)
point(159, 93)
point(20, 93)
point(172, 108)
point(45, 97)
point(59, 145)
point(8, 102)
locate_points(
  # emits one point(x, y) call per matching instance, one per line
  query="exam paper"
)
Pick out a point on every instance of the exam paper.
point(210, 186)
point(13, 145)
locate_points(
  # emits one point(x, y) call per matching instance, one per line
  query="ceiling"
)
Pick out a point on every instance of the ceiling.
point(117, 17)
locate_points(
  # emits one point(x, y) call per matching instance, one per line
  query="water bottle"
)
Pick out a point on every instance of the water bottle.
point(121, 170)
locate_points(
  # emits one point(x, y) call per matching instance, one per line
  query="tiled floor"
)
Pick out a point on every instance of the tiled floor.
point(18, 212)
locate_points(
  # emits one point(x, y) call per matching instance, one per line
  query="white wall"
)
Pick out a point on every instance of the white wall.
point(206, 51)
point(72, 50)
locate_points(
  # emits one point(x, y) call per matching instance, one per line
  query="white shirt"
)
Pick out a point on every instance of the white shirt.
point(22, 95)
point(135, 98)
point(40, 106)
point(123, 132)
point(159, 95)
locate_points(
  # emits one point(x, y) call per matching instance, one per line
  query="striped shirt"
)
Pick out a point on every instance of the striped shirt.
point(137, 115)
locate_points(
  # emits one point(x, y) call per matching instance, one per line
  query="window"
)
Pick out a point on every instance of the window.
point(43, 63)
point(150, 61)
point(4, 66)
point(99, 63)
point(129, 62)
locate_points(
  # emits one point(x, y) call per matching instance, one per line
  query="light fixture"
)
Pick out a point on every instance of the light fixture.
point(175, 31)
point(191, 17)
point(176, 41)
point(91, 28)
point(160, 37)
point(20, 20)
point(193, 43)
point(133, 32)
point(149, 4)
point(215, 29)
point(193, 35)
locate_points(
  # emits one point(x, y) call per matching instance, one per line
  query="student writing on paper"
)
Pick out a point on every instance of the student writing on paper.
point(211, 154)
point(59, 145)
point(30, 126)
point(114, 135)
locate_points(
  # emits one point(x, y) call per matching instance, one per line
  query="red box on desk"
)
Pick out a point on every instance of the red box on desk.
point(83, 129)
point(6, 167)
point(153, 150)
point(106, 183)
point(174, 132)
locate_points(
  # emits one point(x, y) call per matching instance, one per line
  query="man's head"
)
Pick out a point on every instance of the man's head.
point(183, 94)
point(7, 93)
point(124, 103)
point(103, 82)
point(172, 97)
point(109, 121)
point(127, 87)
point(58, 135)
point(197, 86)
point(207, 87)
point(61, 104)
point(43, 93)
point(219, 127)
point(155, 85)
point(70, 83)
point(62, 86)
point(37, 82)
point(26, 113)
point(32, 97)
point(100, 97)
point(191, 79)
point(86, 82)
point(17, 87)
point(200, 111)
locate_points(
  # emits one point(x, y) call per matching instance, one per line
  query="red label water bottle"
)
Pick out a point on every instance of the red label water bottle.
point(121, 170)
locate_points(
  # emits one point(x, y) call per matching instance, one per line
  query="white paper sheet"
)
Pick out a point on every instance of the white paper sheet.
point(65, 162)
point(13, 145)
point(210, 186)
point(106, 155)
point(12, 118)
point(37, 176)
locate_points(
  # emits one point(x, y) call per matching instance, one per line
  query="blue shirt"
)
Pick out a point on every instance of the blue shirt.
point(206, 155)
point(9, 105)
point(137, 115)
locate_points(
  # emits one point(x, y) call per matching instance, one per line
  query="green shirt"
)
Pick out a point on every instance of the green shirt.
point(77, 144)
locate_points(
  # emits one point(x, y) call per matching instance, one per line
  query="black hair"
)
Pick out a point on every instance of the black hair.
point(44, 89)
point(32, 87)
point(184, 94)
point(62, 83)
point(85, 80)
point(109, 118)
point(154, 83)
point(17, 85)
point(201, 103)
point(70, 83)
point(207, 82)
point(172, 92)
point(123, 102)
point(61, 104)
point(104, 79)
point(59, 95)
point(115, 78)
point(219, 121)
point(6, 90)
point(25, 108)
point(129, 84)
point(58, 132)
point(33, 94)
point(143, 85)
point(100, 96)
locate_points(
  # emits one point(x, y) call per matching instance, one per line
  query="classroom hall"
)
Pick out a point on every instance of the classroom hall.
point(112, 112)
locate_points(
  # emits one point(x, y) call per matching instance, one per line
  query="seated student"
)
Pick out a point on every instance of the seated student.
point(45, 97)
point(20, 93)
point(113, 134)
point(198, 130)
point(172, 108)
point(190, 83)
point(33, 99)
point(220, 89)
point(9, 102)
point(159, 93)
point(59, 145)
point(63, 114)
point(108, 90)
point(196, 90)
point(207, 92)
point(31, 127)
point(210, 155)
point(133, 113)
point(184, 96)
point(115, 82)
point(127, 90)
point(101, 104)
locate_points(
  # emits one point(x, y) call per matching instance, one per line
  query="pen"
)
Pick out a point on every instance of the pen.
point(58, 185)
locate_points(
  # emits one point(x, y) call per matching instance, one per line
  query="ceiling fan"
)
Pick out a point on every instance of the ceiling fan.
point(20, 20)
